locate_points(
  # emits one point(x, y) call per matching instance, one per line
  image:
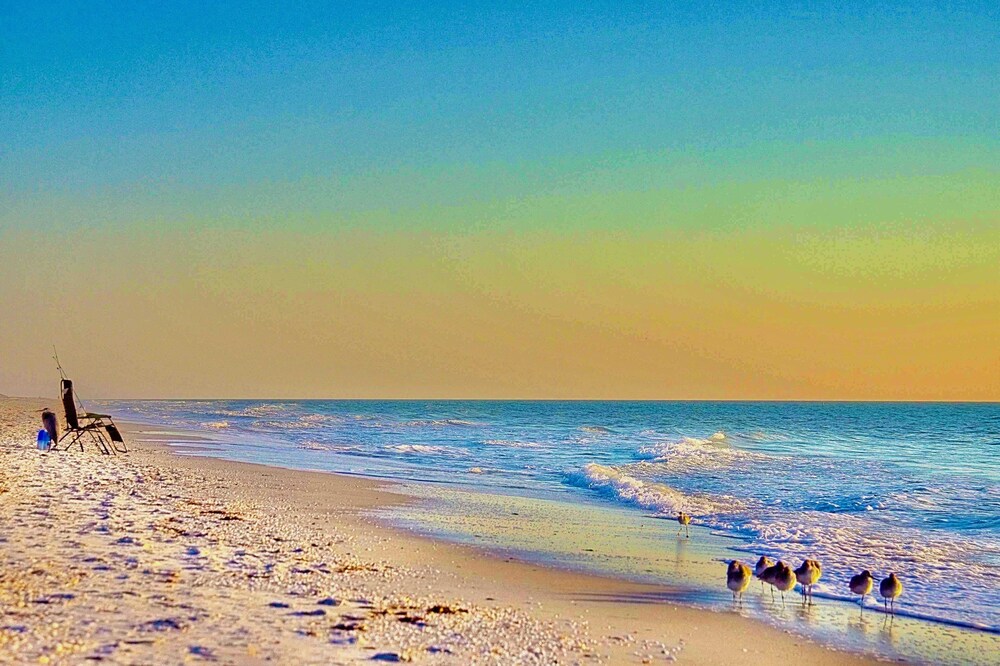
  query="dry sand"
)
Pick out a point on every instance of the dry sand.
point(157, 558)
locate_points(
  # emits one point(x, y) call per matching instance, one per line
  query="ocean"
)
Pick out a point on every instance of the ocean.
point(912, 488)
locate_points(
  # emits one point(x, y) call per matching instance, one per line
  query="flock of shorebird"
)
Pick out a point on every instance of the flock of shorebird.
point(781, 576)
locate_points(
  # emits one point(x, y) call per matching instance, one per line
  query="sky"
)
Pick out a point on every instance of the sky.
point(644, 200)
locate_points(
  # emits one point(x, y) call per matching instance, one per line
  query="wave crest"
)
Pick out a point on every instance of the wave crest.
point(426, 449)
point(512, 443)
point(648, 494)
point(600, 430)
point(693, 453)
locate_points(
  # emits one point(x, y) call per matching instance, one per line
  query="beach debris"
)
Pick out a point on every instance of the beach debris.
point(442, 609)
point(349, 626)
point(163, 624)
point(203, 652)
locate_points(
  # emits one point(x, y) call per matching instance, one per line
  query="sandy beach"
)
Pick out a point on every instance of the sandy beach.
point(153, 557)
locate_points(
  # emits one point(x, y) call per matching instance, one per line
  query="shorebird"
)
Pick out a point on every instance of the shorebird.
point(862, 584)
point(780, 576)
point(738, 579)
point(683, 520)
point(890, 588)
point(762, 564)
point(807, 574)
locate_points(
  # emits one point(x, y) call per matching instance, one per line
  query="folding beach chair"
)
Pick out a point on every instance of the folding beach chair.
point(101, 430)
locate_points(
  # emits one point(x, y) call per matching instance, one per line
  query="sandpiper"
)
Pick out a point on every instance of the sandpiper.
point(780, 576)
point(738, 579)
point(807, 574)
point(762, 564)
point(683, 520)
point(890, 588)
point(862, 584)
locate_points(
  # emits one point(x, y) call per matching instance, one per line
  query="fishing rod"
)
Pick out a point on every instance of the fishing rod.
point(62, 375)
point(55, 356)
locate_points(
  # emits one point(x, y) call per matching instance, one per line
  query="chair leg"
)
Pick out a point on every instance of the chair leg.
point(109, 446)
point(73, 436)
point(99, 442)
point(104, 444)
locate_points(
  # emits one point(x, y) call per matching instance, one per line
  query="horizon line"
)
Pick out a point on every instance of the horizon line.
point(609, 400)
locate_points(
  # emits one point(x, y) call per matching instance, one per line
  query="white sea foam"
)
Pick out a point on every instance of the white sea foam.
point(512, 444)
point(691, 452)
point(266, 409)
point(844, 542)
point(313, 445)
point(849, 486)
point(601, 430)
point(648, 494)
point(426, 449)
point(439, 423)
point(847, 542)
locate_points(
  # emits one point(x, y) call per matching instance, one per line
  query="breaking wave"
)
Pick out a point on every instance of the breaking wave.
point(845, 538)
point(439, 423)
point(601, 430)
point(266, 409)
point(690, 452)
point(512, 444)
point(648, 495)
point(313, 445)
point(426, 449)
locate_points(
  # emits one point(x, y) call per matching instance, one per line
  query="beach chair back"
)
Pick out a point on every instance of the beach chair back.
point(69, 404)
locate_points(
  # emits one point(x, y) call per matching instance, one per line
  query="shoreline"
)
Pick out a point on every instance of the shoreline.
point(591, 618)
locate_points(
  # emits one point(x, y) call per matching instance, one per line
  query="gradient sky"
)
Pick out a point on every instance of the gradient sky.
point(559, 200)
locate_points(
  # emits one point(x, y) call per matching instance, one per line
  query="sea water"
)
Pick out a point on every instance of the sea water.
point(903, 487)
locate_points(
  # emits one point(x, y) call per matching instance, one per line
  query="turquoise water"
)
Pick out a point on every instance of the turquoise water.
point(910, 488)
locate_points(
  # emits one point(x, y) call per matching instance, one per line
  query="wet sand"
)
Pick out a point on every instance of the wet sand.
point(154, 557)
